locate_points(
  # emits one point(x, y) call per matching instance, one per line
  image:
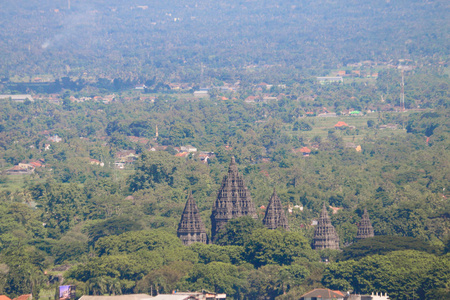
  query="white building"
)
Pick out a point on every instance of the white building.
point(18, 98)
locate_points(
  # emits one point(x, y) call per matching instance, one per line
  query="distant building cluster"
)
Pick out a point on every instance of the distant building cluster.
point(327, 294)
point(25, 168)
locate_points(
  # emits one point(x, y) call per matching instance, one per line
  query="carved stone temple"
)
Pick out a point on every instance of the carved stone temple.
point(233, 201)
point(275, 216)
point(365, 228)
point(191, 228)
point(325, 236)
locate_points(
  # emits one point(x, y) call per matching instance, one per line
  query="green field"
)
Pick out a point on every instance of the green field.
point(321, 126)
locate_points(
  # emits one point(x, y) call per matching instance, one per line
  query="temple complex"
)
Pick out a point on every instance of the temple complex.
point(275, 216)
point(191, 228)
point(325, 236)
point(233, 201)
point(365, 228)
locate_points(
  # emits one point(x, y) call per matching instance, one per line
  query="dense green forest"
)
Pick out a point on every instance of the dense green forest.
point(110, 230)
point(102, 184)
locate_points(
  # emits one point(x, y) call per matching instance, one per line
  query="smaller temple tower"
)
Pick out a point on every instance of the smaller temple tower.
point(191, 228)
point(365, 228)
point(325, 236)
point(275, 216)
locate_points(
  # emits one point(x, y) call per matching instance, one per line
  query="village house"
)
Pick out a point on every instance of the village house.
point(158, 148)
point(388, 126)
point(323, 294)
point(125, 157)
point(269, 98)
point(21, 297)
point(21, 169)
point(18, 98)
point(140, 87)
point(188, 148)
point(326, 294)
point(341, 125)
point(205, 156)
point(182, 154)
point(54, 139)
point(96, 162)
point(251, 99)
point(139, 140)
point(305, 151)
point(24, 297)
point(328, 80)
point(201, 94)
point(327, 115)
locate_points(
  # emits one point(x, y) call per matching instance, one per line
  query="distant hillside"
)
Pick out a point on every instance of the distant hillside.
point(172, 38)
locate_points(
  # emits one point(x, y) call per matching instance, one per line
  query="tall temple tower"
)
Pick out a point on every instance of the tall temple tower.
point(275, 216)
point(233, 201)
point(325, 236)
point(365, 228)
point(191, 228)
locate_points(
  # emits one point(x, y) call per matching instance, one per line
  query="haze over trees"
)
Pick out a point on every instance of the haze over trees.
point(172, 39)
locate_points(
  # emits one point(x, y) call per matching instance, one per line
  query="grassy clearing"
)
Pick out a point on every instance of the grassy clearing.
point(321, 126)
point(14, 182)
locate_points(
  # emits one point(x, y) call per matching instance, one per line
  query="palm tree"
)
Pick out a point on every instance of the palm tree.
point(114, 286)
point(98, 285)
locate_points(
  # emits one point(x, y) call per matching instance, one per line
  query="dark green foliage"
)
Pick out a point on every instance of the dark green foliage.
point(69, 250)
point(276, 247)
point(435, 285)
point(216, 276)
point(402, 274)
point(238, 231)
point(130, 242)
point(226, 254)
point(21, 271)
point(301, 126)
point(63, 206)
point(113, 226)
point(152, 169)
point(165, 279)
point(381, 245)
point(19, 224)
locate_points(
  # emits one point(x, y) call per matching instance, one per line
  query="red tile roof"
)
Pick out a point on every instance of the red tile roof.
point(182, 154)
point(24, 297)
point(305, 150)
point(36, 164)
point(341, 124)
point(325, 294)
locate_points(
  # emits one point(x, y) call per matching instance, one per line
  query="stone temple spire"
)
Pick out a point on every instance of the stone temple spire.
point(365, 228)
point(233, 201)
point(191, 228)
point(275, 216)
point(325, 236)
